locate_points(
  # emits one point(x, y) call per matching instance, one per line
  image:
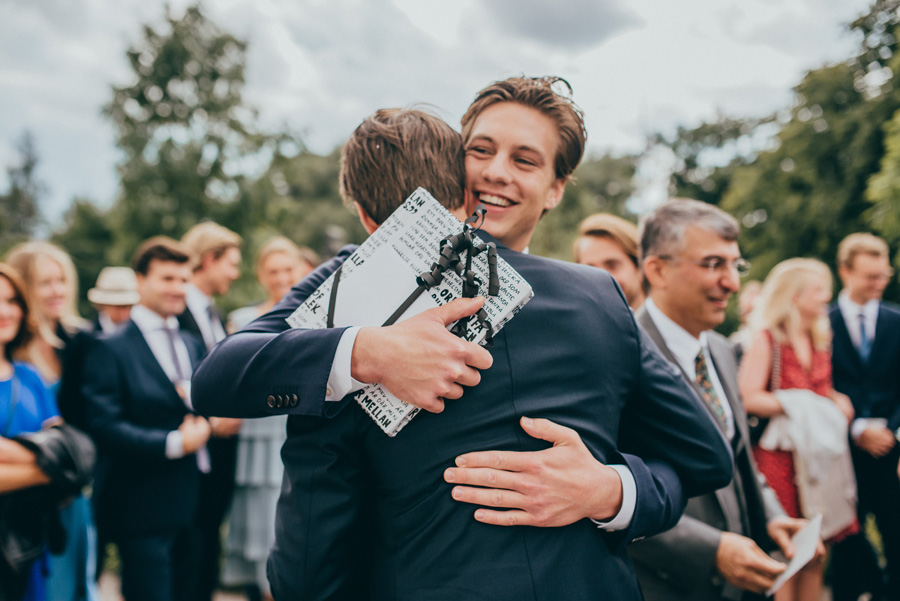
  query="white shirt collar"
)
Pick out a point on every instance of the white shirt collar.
point(849, 307)
point(196, 300)
point(148, 320)
point(680, 342)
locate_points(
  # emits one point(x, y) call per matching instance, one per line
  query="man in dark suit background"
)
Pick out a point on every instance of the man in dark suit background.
point(137, 389)
point(865, 359)
point(215, 253)
point(428, 545)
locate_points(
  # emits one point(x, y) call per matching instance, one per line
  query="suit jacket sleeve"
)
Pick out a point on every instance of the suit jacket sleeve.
point(665, 421)
point(660, 499)
point(269, 359)
point(103, 391)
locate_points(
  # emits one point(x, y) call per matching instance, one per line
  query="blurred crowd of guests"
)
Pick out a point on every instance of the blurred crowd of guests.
point(164, 478)
point(818, 385)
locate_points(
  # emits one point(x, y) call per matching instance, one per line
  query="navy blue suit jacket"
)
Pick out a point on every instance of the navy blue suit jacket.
point(131, 407)
point(574, 355)
point(873, 386)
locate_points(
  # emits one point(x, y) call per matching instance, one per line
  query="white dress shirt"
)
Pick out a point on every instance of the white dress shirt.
point(686, 347)
point(153, 327)
point(199, 305)
point(851, 311)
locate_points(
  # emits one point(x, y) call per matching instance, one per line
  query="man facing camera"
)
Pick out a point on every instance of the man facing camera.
point(137, 388)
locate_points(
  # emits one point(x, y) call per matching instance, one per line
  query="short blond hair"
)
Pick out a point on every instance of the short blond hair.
point(860, 244)
point(605, 225)
point(775, 310)
point(208, 237)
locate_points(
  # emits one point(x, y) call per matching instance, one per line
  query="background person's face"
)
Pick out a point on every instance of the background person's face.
point(278, 273)
point(223, 271)
point(10, 313)
point(510, 158)
point(866, 278)
point(694, 296)
point(51, 288)
point(605, 253)
point(163, 288)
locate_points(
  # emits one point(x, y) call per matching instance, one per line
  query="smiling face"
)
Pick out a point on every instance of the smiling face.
point(278, 272)
point(10, 313)
point(510, 158)
point(694, 296)
point(51, 290)
point(812, 301)
point(163, 288)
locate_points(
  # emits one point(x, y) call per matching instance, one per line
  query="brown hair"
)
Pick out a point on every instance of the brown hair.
point(538, 93)
point(26, 327)
point(395, 151)
point(158, 248)
point(604, 225)
point(24, 259)
point(208, 237)
point(860, 244)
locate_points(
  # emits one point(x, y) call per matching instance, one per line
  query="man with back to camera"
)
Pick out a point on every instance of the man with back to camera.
point(136, 387)
point(375, 444)
point(864, 361)
point(611, 243)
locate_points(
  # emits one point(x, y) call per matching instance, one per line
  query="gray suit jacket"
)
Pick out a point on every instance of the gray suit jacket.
point(680, 564)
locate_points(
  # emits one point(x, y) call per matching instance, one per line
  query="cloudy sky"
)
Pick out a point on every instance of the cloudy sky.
point(321, 66)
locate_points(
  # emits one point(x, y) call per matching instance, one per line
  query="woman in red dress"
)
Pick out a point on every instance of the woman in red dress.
point(790, 320)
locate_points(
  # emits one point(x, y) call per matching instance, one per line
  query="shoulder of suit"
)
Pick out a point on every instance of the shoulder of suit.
point(714, 339)
point(891, 309)
point(585, 273)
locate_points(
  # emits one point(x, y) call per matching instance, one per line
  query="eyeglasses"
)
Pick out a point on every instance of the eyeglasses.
point(716, 264)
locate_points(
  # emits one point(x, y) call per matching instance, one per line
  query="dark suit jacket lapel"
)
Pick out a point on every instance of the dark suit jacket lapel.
point(881, 335)
point(187, 323)
point(143, 356)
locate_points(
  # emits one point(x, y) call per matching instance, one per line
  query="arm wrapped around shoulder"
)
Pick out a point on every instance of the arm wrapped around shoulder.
point(65, 454)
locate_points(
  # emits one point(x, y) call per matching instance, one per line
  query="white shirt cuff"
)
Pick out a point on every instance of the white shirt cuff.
point(861, 424)
point(340, 382)
point(174, 445)
point(622, 520)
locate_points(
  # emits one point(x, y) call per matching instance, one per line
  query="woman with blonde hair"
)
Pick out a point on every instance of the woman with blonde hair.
point(785, 381)
point(51, 290)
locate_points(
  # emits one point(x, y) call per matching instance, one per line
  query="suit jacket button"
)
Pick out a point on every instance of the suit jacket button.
point(294, 400)
point(279, 401)
point(329, 391)
point(270, 401)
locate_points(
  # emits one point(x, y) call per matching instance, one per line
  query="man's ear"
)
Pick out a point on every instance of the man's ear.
point(653, 268)
point(556, 193)
point(367, 222)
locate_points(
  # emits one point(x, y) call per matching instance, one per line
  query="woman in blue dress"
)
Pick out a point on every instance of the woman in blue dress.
point(26, 405)
point(51, 289)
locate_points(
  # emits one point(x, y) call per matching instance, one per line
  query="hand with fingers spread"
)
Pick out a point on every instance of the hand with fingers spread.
point(418, 359)
point(554, 487)
point(743, 564)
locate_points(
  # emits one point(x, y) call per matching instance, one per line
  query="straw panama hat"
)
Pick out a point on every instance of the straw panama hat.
point(115, 286)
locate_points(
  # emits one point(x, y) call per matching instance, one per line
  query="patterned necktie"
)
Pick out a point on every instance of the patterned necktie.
point(865, 345)
point(708, 391)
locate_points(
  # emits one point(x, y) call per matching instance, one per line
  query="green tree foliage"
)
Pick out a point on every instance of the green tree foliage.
point(188, 139)
point(19, 212)
point(602, 184)
point(87, 236)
